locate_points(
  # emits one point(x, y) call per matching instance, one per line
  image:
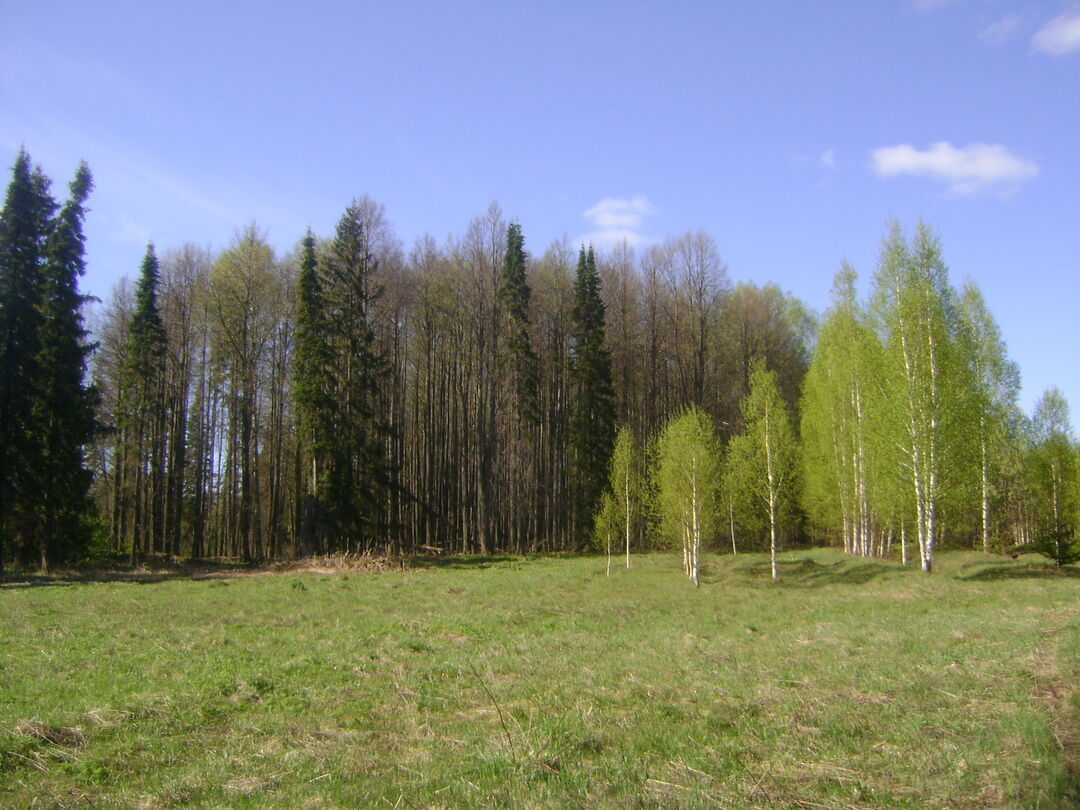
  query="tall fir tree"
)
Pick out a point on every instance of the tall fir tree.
point(142, 415)
point(519, 429)
point(592, 420)
point(24, 228)
point(46, 410)
point(67, 406)
point(514, 297)
point(312, 390)
point(360, 475)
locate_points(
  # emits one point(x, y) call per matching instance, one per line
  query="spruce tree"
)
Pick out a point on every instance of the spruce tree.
point(360, 475)
point(592, 421)
point(68, 419)
point(142, 414)
point(46, 411)
point(514, 296)
point(25, 223)
point(312, 390)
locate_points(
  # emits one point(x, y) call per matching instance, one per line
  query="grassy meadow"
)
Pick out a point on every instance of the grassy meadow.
point(541, 682)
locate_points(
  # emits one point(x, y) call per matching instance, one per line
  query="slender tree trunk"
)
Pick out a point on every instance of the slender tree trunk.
point(626, 499)
point(985, 495)
point(696, 574)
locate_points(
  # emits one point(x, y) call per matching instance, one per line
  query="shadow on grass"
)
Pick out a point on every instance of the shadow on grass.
point(157, 571)
point(808, 573)
point(465, 561)
point(999, 571)
point(164, 570)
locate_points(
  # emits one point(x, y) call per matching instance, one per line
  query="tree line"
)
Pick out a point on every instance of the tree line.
point(470, 396)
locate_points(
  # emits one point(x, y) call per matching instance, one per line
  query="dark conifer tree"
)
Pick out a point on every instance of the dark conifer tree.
point(313, 392)
point(142, 417)
point(359, 478)
point(46, 410)
point(67, 404)
point(520, 427)
point(25, 223)
point(592, 421)
point(514, 296)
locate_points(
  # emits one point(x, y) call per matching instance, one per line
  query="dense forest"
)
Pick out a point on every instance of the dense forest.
point(473, 396)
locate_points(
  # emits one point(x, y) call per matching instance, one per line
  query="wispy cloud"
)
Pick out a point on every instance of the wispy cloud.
point(130, 232)
point(827, 158)
point(930, 5)
point(964, 170)
point(619, 219)
point(1000, 32)
point(1059, 36)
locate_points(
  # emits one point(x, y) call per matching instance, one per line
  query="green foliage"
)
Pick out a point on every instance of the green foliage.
point(841, 494)
point(687, 482)
point(607, 526)
point(140, 414)
point(46, 409)
point(1054, 466)
point(1060, 546)
point(592, 420)
point(514, 296)
point(146, 332)
point(626, 486)
point(925, 426)
point(359, 478)
point(67, 415)
point(763, 460)
point(313, 389)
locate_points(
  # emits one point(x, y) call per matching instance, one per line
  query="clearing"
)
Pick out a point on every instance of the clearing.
point(539, 682)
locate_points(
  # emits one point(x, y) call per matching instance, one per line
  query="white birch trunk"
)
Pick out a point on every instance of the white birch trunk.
point(696, 554)
point(731, 523)
point(771, 478)
point(985, 493)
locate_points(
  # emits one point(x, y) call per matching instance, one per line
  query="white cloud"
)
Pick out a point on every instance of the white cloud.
point(964, 170)
point(827, 158)
point(1000, 32)
point(619, 219)
point(1059, 36)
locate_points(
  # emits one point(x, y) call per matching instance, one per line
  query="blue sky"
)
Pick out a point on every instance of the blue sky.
point(791, 131)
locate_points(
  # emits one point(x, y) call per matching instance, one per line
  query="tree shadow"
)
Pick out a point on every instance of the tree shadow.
point(461, 561)
point(999, 571)
point(155, 572)
point(807, 573)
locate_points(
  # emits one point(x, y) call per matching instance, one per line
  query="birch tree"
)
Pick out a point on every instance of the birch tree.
point(1054, 466)
point(997, 385)
point(839, 396)
point(625, 481)
point(687, 482)
point(764, 458)
point(924, 377)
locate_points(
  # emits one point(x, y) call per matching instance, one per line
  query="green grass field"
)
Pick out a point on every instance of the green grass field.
point(540, 682)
